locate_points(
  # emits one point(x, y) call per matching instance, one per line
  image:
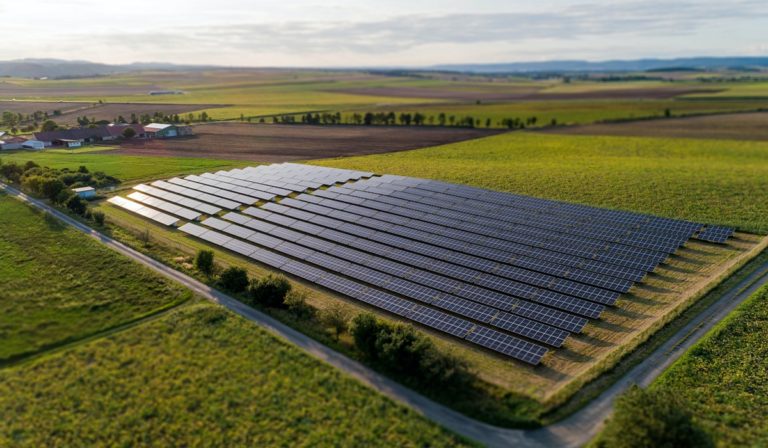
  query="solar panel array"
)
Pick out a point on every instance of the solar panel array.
point(513, 274)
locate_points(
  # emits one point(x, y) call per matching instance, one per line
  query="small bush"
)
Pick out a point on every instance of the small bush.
point(337, 317)
point(234, 279)
point(270, 291)
point(644, 418)
point(204, 262)
point(296, 302)
point(400, 350)
point(365, 330)
point(98, 217)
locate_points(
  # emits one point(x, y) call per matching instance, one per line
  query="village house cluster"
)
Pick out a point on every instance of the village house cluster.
point(77, 137)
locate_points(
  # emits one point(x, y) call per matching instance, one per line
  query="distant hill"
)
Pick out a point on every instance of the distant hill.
point(638, 65)
point(57, 68)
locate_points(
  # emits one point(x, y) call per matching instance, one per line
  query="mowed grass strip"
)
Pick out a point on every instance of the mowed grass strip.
point(720, 182)
point(58, 285)
point(129, 169)
point(724, 378)
point(199, 376)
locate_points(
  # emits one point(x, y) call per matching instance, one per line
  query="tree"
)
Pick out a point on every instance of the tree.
point(11, 171)
point(337, 317)
point(270, 291)
point(62, 197)
point(204, 262)
point(296, 301)
point(49, 125)
point(129, 133)
point(51, 187)
point(644, 418)
point(76, 205)
point(667, 112)
point(234, 279)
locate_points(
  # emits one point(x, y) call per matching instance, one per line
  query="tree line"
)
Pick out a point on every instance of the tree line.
point(56, 185)
point(441, 119)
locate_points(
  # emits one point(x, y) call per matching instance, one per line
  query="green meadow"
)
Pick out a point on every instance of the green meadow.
point(59, 286)
point(712, 181)
point(200, 376)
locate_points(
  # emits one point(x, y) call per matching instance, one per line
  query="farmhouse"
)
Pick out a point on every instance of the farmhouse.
point(76, 137)
point(85, 192)
point(165, 130)
point(11, 142)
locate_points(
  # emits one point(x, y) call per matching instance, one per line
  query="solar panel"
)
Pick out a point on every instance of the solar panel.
point(506, 272)
point(154, 215)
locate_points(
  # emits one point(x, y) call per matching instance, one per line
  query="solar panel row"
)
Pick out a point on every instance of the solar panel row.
point(162, 205)
point(177, 199)
point(435, 202)
point(200, 196)
point(506, 272)
point(412, 284)
point(154, 215)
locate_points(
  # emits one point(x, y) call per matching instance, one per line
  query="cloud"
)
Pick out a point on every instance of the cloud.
point(399, 33)
point(592, 24)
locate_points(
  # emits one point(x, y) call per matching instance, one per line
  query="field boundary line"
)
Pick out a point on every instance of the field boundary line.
point(66, 344)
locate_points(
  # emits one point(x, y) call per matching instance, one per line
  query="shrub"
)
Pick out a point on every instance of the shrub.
point(98, 217)
point(337, 317)
point(204, 262)
point(62, 197)
point(296, 302)
point(644, 418)
point(51, 188)
point(400, 350)
point(234, 279)
point(75, 205)
point(365, 330)
point(270, 291)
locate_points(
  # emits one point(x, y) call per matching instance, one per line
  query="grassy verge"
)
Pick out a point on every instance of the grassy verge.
point(198, 376)
point(723, 378)
point(58, 286)
point(724, 182)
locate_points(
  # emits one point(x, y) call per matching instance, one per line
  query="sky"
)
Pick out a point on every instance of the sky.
point(410, 33)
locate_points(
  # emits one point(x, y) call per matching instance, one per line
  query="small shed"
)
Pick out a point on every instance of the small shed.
point(69, 143)
point(161, 130)
point(85, 192)
point(33, 144)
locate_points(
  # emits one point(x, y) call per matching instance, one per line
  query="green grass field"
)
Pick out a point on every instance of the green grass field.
point(724, 377)
point(129, 169)
point(722, 182)
point(198, 377)
point(58, 285)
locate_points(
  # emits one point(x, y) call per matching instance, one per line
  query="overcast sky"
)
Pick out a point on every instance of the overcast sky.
point(380, 33)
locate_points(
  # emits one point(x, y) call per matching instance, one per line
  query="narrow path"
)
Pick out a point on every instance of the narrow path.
point(68, 344)
point(573, 431)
